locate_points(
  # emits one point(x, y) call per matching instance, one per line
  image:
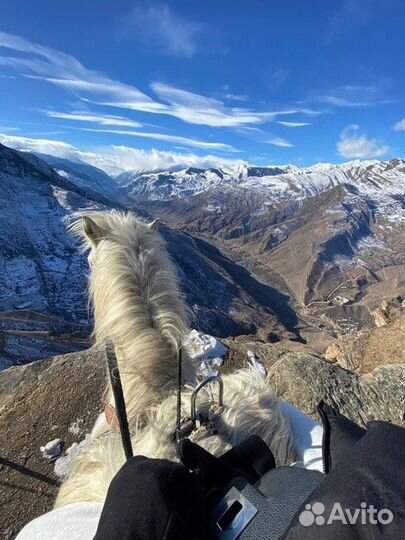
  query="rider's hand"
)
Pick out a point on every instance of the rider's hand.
point(154, 499)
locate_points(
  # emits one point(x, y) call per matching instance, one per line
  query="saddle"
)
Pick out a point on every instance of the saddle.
point(247, 496)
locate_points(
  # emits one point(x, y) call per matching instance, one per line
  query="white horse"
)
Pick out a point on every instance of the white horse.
point(138, 306)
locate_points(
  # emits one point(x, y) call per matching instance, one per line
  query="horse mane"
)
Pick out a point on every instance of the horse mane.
point(135, 293)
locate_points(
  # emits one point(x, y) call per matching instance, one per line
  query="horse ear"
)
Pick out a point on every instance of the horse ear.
point(154, 225)
point(93, 231)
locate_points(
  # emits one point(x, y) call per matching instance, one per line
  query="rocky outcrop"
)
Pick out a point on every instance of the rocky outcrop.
point(56, 398)
point(305, 380)
point(365, 350)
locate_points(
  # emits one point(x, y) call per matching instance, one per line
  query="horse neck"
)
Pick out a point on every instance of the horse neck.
point(139, 309)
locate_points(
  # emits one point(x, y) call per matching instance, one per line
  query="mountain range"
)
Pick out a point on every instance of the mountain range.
point(281, 254)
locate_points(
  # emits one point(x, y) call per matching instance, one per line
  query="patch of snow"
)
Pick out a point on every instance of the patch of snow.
point(55, 264)
point(62, 173)
point(75, 428)
point(23, 305)
point(371, 243)
point(200, 345)
point(210, 367)
point(213, 208)
point(51, 450)
point(206, 352)
point(340, 300)
point(342, 261)
point(64, 463)
point(255, 364)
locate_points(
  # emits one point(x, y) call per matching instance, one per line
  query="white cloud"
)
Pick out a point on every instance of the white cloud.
point(158, 26)
point(337, 101)
point(43, 146)
point(65, 71)
point(125, 158)
point(197, 109)
point(293, 124)
point(102, 119)
point(352, 144)
point(278, 141)
point(353, 95)
point(230, 96)
point(235, 97)
point(116, 159)
point(400, 125)
point(350, 16)
point(8, 128)
point(274, 79)
point(193, 143)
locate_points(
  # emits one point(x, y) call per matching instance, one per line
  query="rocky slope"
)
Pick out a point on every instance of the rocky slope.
point(44, 400)
point(83, 175)
point(42, 281)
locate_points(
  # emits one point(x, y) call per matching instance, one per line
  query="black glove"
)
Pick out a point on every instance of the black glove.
point(154, 499)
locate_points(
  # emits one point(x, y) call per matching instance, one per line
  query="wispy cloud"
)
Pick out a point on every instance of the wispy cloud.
point(349, 15)
point(8, 129)
point(337, 101)
point(400, 125)
point(228, 95)
point(116, 159)
point(102, 119)
point(353, 144)
point(274, 79)
point(293, 124)
point(159, 27)
point(235, 97)
point(193, 143)
point(278, 141)
point(197, 109)
point(366, 95)
point(65, 71)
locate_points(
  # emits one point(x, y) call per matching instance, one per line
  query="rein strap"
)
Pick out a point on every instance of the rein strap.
point(120, 409)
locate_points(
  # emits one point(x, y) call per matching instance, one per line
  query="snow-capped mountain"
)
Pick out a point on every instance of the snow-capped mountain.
point(163, 185)
point(331, 236)
point(382, 181)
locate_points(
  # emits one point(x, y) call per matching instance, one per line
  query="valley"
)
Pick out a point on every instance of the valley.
point(298, 258)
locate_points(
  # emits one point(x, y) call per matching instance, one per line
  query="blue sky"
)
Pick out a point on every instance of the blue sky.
point(144, 84)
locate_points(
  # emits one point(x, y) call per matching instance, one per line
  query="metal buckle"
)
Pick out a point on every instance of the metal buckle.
point(232, 515)
point(188, 425)
point(209, 380)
